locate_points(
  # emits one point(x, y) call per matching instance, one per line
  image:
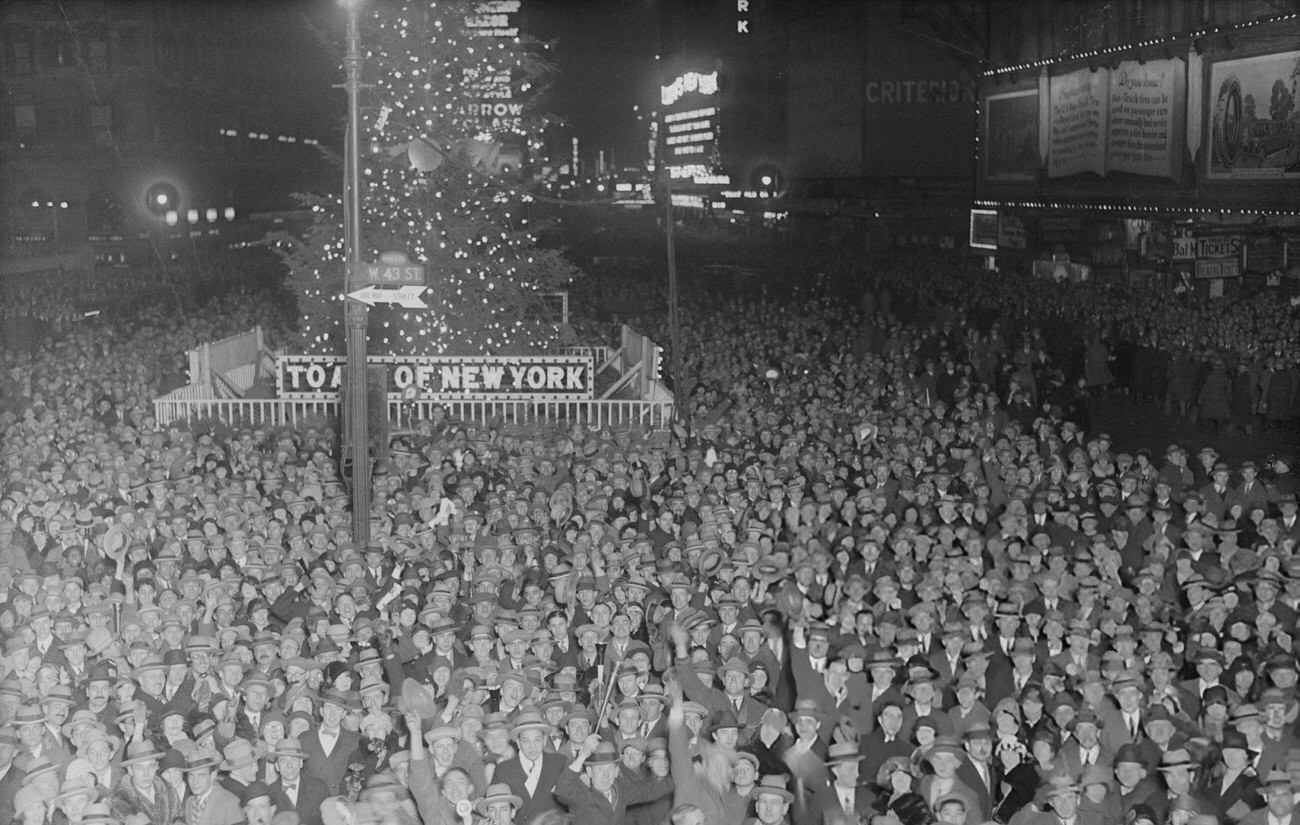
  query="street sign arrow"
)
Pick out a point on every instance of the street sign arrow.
point(407, 296)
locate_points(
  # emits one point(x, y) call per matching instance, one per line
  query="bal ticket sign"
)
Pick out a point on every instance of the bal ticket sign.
point(434, 377)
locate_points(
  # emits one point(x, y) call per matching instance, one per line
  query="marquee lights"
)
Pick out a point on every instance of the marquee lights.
point(705, 84)
point(709, 111)
point(1111, 207)
point(1143, 44)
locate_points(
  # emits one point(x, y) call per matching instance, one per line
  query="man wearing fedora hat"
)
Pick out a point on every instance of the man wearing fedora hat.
point(532, 772)
point(208, 802)
point(946, 755)
point(1062, 796)
point(733, 696)
point(886, 738)
point(295, 790)
point(258, 804)
point(240, 764)
point(606, 798)
point(257, 691)
point(499, 806)
point(98, 757)
point(142, 791)
point(11, 776)
point(1178, 770)
point(772, 801)
point(847, 798)
point(329, 745)
point(1279, 802)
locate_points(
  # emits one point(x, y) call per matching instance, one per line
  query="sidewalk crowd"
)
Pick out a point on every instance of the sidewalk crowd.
point(883, 571)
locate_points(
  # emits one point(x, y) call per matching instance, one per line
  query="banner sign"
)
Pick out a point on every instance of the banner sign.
point(1206, 269)
point(1265, 253)
point(1254, 131)
point(983, 229)
point(1077, 106)
point(1145, 132)
point(1011, 233)
point(1011, 136)
point(524, 377)
point(1184, 244)
point(1218, 256)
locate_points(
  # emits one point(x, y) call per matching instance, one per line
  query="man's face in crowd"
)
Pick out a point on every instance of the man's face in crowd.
point(199, 781)
point(952, 812)
point(578, 729)
point(332, 715)
point(980, 748)
point(1279, 799)
point(770, 808)
point(891, 720)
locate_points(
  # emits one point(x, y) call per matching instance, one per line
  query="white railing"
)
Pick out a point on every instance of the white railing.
point(598, 355)
point(176, 408)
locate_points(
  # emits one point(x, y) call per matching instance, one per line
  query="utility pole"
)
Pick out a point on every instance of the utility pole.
point(356, 446)
point(674, 329)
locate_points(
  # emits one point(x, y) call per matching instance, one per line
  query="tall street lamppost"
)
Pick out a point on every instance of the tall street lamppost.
point(357, 444)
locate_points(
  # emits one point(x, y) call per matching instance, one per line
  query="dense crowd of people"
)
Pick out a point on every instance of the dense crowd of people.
point(881, 571)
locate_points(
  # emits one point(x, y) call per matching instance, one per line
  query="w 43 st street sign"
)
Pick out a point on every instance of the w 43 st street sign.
point(392, 269)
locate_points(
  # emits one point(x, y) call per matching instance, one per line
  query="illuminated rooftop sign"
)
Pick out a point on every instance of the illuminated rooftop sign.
point(705, 84)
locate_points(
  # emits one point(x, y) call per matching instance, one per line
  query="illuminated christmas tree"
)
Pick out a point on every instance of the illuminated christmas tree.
point(448, 122)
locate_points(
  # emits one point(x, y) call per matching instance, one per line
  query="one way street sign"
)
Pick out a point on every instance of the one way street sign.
point(407, 296)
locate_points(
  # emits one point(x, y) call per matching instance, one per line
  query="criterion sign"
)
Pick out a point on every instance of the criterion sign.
point(445, 377)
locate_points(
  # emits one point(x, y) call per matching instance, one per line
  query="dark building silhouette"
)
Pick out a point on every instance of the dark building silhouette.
point(116, 114)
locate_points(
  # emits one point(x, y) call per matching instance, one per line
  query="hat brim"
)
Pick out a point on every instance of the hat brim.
point(155, 756)
point(515, 801)
point(781, 792)
point(286, 754)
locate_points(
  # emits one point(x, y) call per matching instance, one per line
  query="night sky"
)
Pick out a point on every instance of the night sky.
point(604, 54)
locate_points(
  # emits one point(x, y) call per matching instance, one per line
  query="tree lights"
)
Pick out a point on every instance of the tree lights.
point(455, 94)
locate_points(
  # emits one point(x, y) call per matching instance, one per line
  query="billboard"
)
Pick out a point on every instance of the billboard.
point(983, 229)
point(1011, 136)
point(690, 124)
point(877, 100)
point(439, 377)
point(1077, 104)
point(1128, 118)
point(1254, 123)
point(1145, 132)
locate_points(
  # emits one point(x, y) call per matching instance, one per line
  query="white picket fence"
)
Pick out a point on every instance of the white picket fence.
point(246, 353)
point(180, 407)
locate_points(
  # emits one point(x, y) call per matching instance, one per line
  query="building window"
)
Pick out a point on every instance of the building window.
point(101, 125)
point(133, 124)
point(25, 124)
point(97, 54)
point(103, 213)
point(128, 47)
point(57, 49)
point(57, 124)
point(20, 53)
point(168, 52)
